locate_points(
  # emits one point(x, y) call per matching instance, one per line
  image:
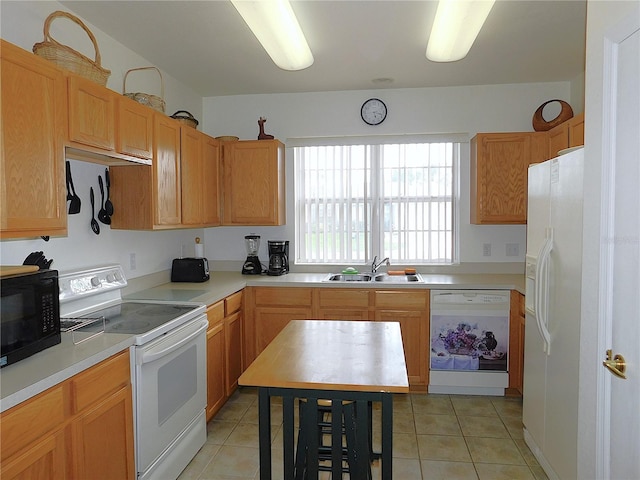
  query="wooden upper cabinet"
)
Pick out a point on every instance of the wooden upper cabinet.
point(499, 163)
point(134, 129)
point(33, 131)
point(253, 183)
point(149, 197)
point(200, 165)
point(567, 134)
point(576, 130)
point(91, 114)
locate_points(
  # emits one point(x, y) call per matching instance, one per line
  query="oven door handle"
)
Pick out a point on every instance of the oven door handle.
point(152, 354)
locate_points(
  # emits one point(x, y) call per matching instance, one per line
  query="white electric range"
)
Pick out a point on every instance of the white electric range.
point(168, 363)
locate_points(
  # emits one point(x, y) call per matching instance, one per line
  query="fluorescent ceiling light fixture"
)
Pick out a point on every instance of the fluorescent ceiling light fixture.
point(455, 28)
point(276, 27)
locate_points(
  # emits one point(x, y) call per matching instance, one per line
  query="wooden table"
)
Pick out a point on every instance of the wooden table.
point(337, 360)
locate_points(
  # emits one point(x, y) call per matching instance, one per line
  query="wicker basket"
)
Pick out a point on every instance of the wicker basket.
point(153, 101)
point(67, 57)
point(187, 118)
point(541, 125)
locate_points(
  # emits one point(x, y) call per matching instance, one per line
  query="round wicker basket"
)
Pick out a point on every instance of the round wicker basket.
point(541, 125)
point(185, 117)
point(153, 101)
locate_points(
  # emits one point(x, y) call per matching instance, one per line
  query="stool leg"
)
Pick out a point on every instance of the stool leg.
point(301, 448)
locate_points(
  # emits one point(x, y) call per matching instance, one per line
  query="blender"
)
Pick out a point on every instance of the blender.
point(252, 264)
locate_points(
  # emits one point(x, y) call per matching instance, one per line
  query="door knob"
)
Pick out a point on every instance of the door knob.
point(616, 365)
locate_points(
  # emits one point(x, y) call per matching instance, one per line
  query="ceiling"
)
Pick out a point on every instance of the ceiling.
point(357, 45)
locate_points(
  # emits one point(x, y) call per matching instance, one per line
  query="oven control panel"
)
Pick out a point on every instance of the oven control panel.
point(79, 283)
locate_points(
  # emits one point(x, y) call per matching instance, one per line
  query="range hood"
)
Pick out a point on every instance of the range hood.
point(72, 153)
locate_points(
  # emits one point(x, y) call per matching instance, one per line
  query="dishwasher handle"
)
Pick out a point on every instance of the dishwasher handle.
point(152, 354)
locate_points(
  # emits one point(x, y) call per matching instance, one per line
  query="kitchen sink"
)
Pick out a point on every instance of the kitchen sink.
point(350, 277)
point(384, 278)
point(372, 277)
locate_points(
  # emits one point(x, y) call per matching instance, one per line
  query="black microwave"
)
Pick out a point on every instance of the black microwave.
point(30, 314)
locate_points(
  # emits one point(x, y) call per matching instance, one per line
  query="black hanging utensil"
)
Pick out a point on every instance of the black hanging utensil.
point(102, 213)
point(94, 224)
point(74, 206)
point(108, 206)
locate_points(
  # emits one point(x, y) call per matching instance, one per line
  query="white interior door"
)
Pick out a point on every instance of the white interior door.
point(620, 251)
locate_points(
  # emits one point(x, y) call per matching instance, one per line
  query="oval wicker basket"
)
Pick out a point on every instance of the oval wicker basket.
point(66, 57)
point(541, 125)
point(187, 118)
point(153, 101)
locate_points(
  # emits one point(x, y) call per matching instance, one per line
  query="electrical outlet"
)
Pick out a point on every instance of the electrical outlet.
point(513, 249)
point(132, 261)
point(486, 250)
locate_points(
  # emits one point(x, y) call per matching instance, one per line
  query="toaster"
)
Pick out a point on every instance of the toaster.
point(190, 270)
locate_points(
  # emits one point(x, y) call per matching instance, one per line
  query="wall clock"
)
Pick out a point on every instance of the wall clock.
point(373, 111)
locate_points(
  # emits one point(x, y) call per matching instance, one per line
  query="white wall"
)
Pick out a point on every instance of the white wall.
point(468, 110)
point(22, 23)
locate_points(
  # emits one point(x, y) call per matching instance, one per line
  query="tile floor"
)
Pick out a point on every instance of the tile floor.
point(436, 437)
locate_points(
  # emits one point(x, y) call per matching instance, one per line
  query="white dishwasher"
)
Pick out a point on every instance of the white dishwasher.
point(469, 342)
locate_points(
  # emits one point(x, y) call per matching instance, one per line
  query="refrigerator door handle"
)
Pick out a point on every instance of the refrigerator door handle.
point(542, 304)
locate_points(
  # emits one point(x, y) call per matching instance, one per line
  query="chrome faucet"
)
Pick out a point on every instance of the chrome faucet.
point(375, 266)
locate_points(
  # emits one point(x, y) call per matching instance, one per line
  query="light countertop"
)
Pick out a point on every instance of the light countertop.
point(35, 374)
point(223, 284)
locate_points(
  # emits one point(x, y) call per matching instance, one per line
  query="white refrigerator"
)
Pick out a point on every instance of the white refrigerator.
point(552, 307)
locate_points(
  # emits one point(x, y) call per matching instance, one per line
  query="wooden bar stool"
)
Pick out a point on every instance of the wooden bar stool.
point(320, 419)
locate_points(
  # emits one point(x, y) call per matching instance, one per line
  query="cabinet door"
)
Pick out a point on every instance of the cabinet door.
point(499, 163)
point(191, 172)
point(134, 129)
point(253, 179)
point(166, 171)
point(44, 460)
point(558, 139)
point(413, 326)
point(103, 439)
point(576, 130)
point(216, 392)
point(211, 181)
point(516, 343)
point(233, 349)
point(91, 114)
point(33, 130)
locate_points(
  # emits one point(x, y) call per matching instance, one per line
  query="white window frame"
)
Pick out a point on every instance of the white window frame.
point(374, 249)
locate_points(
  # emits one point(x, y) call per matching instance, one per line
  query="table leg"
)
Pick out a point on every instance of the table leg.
point(387, 435)
point(264, 432)
point(288, 436)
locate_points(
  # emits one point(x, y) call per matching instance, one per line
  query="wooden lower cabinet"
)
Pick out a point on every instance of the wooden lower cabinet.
point(411, 309)
point(216, 392)
point(224, 351)
point(80, 428)
point(516, 344)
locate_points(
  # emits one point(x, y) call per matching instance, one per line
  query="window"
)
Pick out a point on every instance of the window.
point(376, 196)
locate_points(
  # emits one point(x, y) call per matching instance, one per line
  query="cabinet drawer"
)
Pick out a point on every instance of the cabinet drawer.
point(233, 303)
point(402, 299)
point(343, 297)
point(108, 376)
point(215, 313)
point(31, 420)
point(272, 296)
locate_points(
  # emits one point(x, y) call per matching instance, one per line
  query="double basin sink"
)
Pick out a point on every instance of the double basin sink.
point(373, 277)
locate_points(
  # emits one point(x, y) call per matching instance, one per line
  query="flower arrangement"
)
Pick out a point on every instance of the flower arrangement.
point(461, 341)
